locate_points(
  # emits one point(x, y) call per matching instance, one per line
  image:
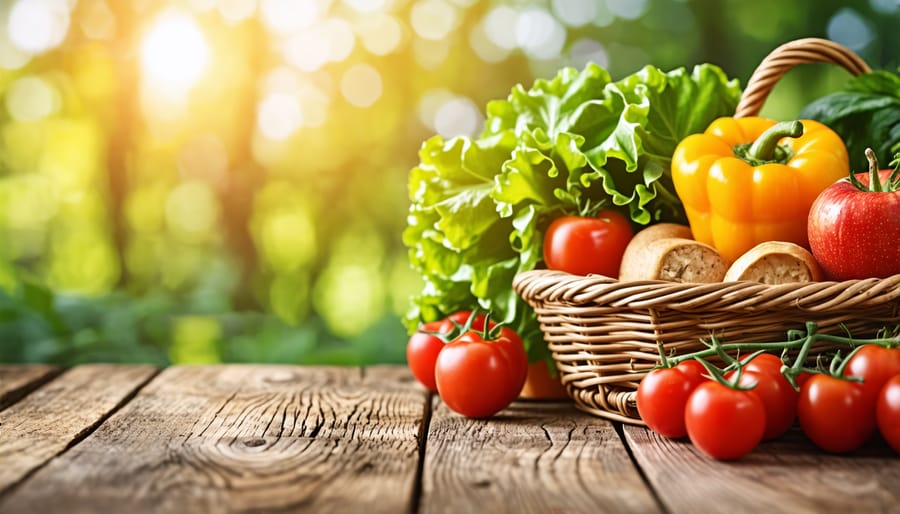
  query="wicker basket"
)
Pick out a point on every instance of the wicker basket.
point(604, 335)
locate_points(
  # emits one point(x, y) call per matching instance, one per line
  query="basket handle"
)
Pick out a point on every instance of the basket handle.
point(785, 57)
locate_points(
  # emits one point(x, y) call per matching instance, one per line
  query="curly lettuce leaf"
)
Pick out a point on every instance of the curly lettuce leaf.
point(480, 206)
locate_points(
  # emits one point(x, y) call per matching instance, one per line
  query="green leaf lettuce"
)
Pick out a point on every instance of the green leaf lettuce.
point(479, 206)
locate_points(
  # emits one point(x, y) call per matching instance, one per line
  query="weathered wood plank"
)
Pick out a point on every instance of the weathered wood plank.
point(245, 438)
point(17, 380)
point(47, 421)
point(532, 457)
point(786, 475)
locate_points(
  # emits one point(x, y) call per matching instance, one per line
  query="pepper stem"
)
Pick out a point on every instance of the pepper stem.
point(763, 149)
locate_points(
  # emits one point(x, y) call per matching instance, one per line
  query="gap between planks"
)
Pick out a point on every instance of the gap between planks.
point(63, 411)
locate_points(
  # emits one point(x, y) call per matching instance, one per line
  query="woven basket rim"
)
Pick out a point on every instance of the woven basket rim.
point(551, 286)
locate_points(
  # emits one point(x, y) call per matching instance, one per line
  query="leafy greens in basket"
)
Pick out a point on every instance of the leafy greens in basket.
point(479, 206)
point(865, 114)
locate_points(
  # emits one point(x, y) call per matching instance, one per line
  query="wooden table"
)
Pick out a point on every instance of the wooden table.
point(249, 438)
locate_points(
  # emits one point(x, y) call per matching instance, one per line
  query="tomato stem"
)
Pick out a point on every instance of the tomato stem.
point(800, 340)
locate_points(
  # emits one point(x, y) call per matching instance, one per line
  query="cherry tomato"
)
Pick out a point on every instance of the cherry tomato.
point(422, 351)
point(875, 365)
point(765, 362)
point(724, 423)
point(423, 346)
point(778, 397)
point(459, 319)
point(582, 245)
point(477, 376)
point(836, 414)
point(663, 393)
point(888, 412)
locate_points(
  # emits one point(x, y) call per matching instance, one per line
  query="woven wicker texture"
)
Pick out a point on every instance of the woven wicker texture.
point(604, 335)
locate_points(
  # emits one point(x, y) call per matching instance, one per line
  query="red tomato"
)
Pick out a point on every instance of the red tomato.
point(582, 245)
point(766, 362)
point(853, 233)
point(778, 397)
point(874, 365)
point(888, 412)
point(662, 395)
point(479, 377)
point(724, 423)
point(460, 318)
point(423, 346)
point(422, 351)
point(836, 414)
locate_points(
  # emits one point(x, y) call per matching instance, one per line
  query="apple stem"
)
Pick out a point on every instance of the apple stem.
point(874, 179)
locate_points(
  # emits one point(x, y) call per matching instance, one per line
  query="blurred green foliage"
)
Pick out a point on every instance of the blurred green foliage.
point(225, 180)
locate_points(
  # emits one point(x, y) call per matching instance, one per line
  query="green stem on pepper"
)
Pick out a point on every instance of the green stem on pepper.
point(763, 150)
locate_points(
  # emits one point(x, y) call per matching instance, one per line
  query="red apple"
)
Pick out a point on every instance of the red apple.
point(854, 225)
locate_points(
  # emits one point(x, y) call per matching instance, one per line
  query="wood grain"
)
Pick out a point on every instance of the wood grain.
point(17, 380)
point(532, 457)
point(47, 421)
point(245, 438)
point(786, 475)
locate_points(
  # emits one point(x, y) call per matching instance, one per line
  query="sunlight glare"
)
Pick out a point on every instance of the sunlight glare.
point(174, 53)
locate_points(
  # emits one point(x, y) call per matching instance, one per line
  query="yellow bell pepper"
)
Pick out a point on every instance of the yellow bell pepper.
point(748, 180)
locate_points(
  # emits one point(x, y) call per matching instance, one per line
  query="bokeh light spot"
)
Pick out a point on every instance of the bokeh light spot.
point(850, 29)
point(288, 16)
point(350, 298)
point(430, 102)
point(288, 240)
point(340, 38)
point(279, 116)
point(575, 13)
point(433, 19)
point(31, 98)
point(381, 34)
point(236, 11)
point(192, 210)
point(539, 34)
point(308, 50)
point(587, 50)
point(365, 6)
point(361, 85)
point(498, 24)
point(627, 9)
point(35, 26)
point(484, 47)
point(458, 116)
point(98, 21)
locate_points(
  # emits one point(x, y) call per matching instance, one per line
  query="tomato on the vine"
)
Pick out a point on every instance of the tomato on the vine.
point(778, 397)
point(583, 245)
point(722, 422)
point(875, 365)
point(479, 374)
point(422, 351)
point(424, 346)
point(664, 392)
point(888, 412)
point(836, 413)
point(766, 362)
